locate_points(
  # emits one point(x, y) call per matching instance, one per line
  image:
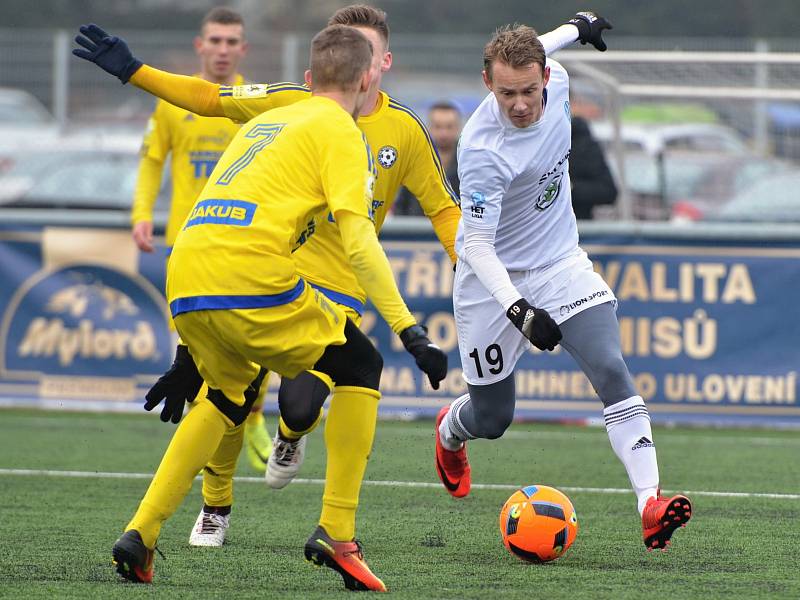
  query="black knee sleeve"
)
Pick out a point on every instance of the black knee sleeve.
point(355, 363)
point(230, 409)
point(300, 400)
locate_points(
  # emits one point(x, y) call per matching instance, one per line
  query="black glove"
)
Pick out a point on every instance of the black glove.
point(535, 324)
point(110, 53)
point(590, 29)
point(430, 358)
point(177, 386)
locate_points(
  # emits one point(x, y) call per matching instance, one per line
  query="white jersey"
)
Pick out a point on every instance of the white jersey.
point(516, 181)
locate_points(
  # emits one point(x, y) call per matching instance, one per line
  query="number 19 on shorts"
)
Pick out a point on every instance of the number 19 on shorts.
point(492, 358)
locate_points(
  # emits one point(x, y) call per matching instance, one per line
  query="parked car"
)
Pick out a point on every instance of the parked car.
point(774, 199)
point(685, 186)
point(82, 172)
point(20, 109)
point(24, 122)
point(654, 138)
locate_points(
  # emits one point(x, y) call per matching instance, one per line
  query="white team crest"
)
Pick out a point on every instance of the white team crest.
point(387, 156)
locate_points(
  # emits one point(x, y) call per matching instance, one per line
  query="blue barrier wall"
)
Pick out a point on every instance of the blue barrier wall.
point(707, 321)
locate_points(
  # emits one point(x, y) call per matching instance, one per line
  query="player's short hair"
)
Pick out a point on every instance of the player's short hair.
point(222, 15)
point(339, 57)
point(361, 15)
point(444, 105)
point(515, 45)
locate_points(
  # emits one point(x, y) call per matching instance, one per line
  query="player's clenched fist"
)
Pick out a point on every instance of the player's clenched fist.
point(108, 52)
point(430, 358)
point(590, 29)
point(179, 385)
point(535, 324)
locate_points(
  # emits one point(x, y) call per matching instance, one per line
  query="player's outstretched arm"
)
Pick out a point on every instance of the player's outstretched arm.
point(374, 274)
point(585, 27)
point(113, 55)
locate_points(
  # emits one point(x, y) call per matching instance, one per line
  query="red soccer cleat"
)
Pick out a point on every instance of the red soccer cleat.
point(347, 558)
point(452, 466)
point(661, 517)
point(134, 560)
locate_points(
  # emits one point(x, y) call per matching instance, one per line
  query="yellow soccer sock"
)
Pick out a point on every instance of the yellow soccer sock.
point(194, 442)
point(349, 432)
point(218, 473)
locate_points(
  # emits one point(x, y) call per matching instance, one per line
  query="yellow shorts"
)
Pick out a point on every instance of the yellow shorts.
point(229, 346)
point(351, 314)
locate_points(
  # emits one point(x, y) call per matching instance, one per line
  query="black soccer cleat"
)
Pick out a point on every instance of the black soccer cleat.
point(134, 560)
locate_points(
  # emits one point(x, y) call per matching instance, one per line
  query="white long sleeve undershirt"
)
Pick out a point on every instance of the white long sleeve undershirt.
point(559, 38)
point(479, 254)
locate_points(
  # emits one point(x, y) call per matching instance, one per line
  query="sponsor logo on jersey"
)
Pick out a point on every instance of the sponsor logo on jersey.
point(478, 202)
point(568, 308)
point(222, 212)
point(203, 163)
point(85, 320)
point(643, 443)
point(387, 156)
point(189, 117)
point(305, 234)
point(253, 90)
point(222, 138)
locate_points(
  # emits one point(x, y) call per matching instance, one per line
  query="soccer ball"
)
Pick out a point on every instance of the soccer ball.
point(538, 524)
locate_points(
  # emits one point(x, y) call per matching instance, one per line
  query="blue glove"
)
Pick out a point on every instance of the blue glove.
point(110, 53)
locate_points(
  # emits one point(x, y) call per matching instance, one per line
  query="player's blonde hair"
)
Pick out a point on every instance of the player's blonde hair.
point(339, 57)
point(515, 45)
point(362, 15)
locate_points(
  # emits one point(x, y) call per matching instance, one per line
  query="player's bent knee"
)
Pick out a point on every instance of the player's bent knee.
point(300, 400)
point(495, 428)
point(229, 408)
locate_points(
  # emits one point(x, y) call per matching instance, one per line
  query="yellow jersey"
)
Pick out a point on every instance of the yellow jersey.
point(195, 143)
point(281, 170)
point(404, 154)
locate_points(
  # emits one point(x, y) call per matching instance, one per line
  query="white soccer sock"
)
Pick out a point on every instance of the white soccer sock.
point(452, 433)
point(628, 426)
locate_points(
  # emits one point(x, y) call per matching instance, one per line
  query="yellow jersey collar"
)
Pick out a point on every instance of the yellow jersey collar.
point(380, 107)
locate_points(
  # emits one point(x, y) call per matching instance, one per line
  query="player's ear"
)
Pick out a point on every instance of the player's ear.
point(366, 79)
point(307, 77)
point(387, 61)
point(487, 81)
point(198, 43)
point(546, 75)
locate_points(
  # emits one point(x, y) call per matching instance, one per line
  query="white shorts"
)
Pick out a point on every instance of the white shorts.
point(489, 343)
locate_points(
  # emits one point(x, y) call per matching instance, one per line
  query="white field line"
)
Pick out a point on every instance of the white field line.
point(600, 435)
point(411, 484)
